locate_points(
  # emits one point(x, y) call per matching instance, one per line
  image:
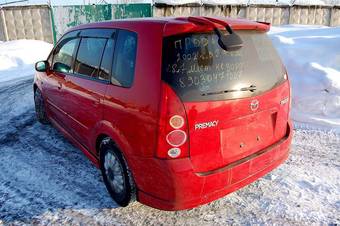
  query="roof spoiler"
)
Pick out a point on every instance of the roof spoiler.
point(231, 42)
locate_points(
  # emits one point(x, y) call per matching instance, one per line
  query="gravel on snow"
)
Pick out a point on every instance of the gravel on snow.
point(45, 180)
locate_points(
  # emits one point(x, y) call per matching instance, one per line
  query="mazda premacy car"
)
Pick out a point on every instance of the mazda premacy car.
point(175, 112)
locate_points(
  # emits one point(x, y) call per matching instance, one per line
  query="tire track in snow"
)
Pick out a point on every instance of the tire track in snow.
point(39, 170)
point(18, 123)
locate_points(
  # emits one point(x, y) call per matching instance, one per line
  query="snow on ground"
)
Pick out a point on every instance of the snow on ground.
point(18, 57)
point(312, 57)
point(45, 180)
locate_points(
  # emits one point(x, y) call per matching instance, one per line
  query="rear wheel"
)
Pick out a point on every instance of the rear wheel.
point(116, 174)
point(40, 107)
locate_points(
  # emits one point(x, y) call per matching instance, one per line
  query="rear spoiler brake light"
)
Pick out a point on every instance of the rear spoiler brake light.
point(265, 23)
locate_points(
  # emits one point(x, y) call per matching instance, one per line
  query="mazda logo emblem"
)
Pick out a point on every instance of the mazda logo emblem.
point(254, 105)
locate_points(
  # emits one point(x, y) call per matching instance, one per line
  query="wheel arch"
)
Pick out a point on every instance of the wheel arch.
point(103, 135)
point(99, 140)
point(106, 129)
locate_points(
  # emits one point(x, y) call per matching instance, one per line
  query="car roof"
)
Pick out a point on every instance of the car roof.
point(176, 25)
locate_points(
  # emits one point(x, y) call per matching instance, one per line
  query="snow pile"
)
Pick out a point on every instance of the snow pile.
point(17, 58)
point(312, 57)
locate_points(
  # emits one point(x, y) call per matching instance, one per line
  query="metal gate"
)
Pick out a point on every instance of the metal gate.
point(69, 16)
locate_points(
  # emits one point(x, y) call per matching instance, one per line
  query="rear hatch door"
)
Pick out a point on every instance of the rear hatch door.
point(236, 101)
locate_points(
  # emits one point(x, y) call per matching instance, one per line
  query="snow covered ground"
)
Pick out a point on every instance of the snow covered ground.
point(45, 180)
point(312, 57)
point(17, 58)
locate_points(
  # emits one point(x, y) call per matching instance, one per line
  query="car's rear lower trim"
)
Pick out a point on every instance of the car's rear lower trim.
point(155, 202)
point(204, 189)
point(247, 158)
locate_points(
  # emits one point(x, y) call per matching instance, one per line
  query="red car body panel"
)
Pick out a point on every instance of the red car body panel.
point(86, 110)
point(237, 124)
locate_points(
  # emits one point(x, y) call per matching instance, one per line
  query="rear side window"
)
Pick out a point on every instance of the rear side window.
point(64, 55)
point(89, 56)
point(198, 69)
point(125, 59)
point(105, 67)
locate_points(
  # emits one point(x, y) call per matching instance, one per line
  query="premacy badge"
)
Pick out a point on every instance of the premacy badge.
point(205, 125)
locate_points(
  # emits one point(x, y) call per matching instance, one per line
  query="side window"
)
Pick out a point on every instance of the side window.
point(64, 55)
point(124, 59)
point(105, 67)
point(89, 56)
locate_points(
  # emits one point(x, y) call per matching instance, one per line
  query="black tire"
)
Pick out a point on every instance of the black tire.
point(117, 177)
point(40, 107)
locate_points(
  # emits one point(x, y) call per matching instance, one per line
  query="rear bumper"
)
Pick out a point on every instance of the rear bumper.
point(176, 186)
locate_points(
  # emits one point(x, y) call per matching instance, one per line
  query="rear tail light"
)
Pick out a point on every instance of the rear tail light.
point(290, 96)
point(176, 121)
point(290, 91)
point(173, 129)
point(286, 77)
point(176, 138)
point(174, 152)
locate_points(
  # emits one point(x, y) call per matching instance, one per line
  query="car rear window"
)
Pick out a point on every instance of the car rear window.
point(198, 69)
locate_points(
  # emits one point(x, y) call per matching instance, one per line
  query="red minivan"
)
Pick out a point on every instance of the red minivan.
point(176, 112)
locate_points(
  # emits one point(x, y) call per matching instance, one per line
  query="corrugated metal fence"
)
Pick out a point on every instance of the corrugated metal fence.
point(276, 15)
point(46, 23)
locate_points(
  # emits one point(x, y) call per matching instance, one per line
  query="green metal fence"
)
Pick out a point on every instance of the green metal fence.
point(131, 11)
point(65, 17)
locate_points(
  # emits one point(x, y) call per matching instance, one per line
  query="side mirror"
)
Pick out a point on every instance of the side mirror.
point(41, 66)
point(60, 67)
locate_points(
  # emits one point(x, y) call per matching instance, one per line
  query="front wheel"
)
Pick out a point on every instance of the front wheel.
point(40, 107)
point(116, 175)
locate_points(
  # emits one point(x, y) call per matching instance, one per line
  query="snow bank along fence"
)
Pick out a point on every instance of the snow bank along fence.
point(274, 14)
point(47, 23)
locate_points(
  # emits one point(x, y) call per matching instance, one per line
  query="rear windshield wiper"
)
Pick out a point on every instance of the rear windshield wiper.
point(251, 88)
